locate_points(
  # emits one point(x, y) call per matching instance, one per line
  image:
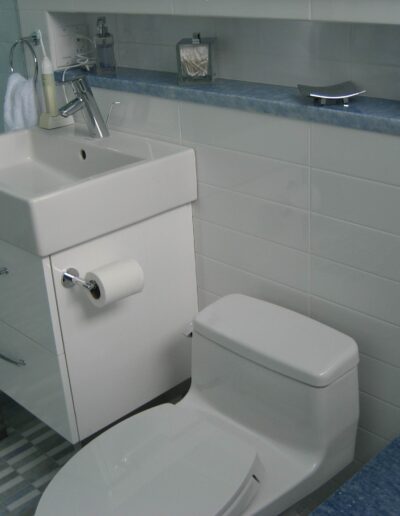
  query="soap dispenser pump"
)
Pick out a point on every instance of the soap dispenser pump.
point(104, 41)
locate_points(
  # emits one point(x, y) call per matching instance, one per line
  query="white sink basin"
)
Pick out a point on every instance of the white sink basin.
point(59, 188)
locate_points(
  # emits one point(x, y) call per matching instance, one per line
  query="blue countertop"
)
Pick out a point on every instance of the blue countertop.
point(373, 491)
point(366, 113)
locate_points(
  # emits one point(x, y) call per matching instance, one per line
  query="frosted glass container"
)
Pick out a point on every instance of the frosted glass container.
point(196, 59)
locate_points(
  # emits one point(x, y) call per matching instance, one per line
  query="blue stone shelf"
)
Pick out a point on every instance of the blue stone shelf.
point(365, 113)
point(373, 491)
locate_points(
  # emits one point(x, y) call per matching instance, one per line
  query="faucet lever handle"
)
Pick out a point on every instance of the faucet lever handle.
point(115, 103)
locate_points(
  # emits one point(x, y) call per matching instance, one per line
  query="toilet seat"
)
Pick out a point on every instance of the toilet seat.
point(167, 461)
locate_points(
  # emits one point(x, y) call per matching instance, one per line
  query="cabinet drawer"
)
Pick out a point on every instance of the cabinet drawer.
point(23, 296)
point(39, 383)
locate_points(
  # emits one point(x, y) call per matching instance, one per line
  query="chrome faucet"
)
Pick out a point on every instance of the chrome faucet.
point(85, 100)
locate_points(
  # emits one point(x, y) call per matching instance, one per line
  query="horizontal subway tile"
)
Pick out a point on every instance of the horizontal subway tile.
point(297, 9)
point(384, 11)
point(8, 4)
point(381, 418)
point(267, 178)
point(147, 57)
point(254, 133)
point(375, 43)
point(238, 35)
point(368, 445)
point(380, 81)
point(264, 219)
point(53, 5)
point(380, 380)
point(356, 153)
point(358, 246)
point(205, 298)
point(9, 26)
point(355, 289)
point(159, 30)
point(121, 6)
point(367, 203)
point(222, 279)
point(374, 337)
point(141, 114)
point(255, 255)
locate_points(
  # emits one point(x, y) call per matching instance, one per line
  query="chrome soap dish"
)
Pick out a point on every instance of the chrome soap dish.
point(335, 94)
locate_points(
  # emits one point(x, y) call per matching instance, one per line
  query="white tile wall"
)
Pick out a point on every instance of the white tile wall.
point(138, 113)
point(354, 152)
point(256, 255)
point(355, 10)
point(269, 179)
point(379, 417)
point(221, 279)
point(283, 9)
point(358, 246)
point(368, 445)
point(368, 203)
point(276, 222)
point(253, 133)
point(356, 289)
point(375, 338)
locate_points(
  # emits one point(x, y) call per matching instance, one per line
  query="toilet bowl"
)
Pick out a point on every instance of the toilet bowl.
point(270, 416)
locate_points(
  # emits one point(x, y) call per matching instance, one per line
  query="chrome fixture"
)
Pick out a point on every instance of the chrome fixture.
point(335, 94)
point(70, 278)
point(85, 100)
point(115, 103)
point(29, 42)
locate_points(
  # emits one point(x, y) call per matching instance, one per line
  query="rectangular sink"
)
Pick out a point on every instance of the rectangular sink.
point(36, 168)
point(60, 188)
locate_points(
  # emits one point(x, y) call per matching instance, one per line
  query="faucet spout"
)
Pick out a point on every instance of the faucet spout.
point(86, 102)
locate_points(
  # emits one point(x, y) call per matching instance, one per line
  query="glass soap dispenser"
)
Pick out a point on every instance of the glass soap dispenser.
point(104, 41)
point(195, 59)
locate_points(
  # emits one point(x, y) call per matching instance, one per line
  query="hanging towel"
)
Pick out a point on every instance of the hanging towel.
point(20, 107)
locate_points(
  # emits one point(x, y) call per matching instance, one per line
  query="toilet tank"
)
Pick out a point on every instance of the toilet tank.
point(279, 374)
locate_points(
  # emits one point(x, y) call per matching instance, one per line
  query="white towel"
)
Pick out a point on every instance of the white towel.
point(20, 107)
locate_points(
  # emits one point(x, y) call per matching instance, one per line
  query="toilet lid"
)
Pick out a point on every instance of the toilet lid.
point(167, 461)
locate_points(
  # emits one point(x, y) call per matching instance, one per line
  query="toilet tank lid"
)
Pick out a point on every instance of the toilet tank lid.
point(279, 339)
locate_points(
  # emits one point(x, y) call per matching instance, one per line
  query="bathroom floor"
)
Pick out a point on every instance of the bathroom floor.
point(30, 456)
point(32, 453)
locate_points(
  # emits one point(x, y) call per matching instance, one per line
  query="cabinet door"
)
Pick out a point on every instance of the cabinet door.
point(125, 354)
point(24, 302)
point(38, 380)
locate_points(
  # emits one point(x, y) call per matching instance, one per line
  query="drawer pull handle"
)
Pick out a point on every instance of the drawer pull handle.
point(17, 362)
point(3, 271)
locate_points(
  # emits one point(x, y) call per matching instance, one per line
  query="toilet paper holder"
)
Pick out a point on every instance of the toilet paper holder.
point(71, 277)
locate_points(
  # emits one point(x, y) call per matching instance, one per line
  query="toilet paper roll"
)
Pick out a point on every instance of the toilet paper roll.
point(115, 281)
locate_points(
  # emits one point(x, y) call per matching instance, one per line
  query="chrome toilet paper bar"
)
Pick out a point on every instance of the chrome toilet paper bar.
point(70, 278)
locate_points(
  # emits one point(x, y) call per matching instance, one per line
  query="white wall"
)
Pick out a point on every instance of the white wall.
point(300, 214)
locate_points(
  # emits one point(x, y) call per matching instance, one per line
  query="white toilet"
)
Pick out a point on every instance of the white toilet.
point(271, 414)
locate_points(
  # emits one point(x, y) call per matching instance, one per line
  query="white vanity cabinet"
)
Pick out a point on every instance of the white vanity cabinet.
point(33, 369)
point(83, 366)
